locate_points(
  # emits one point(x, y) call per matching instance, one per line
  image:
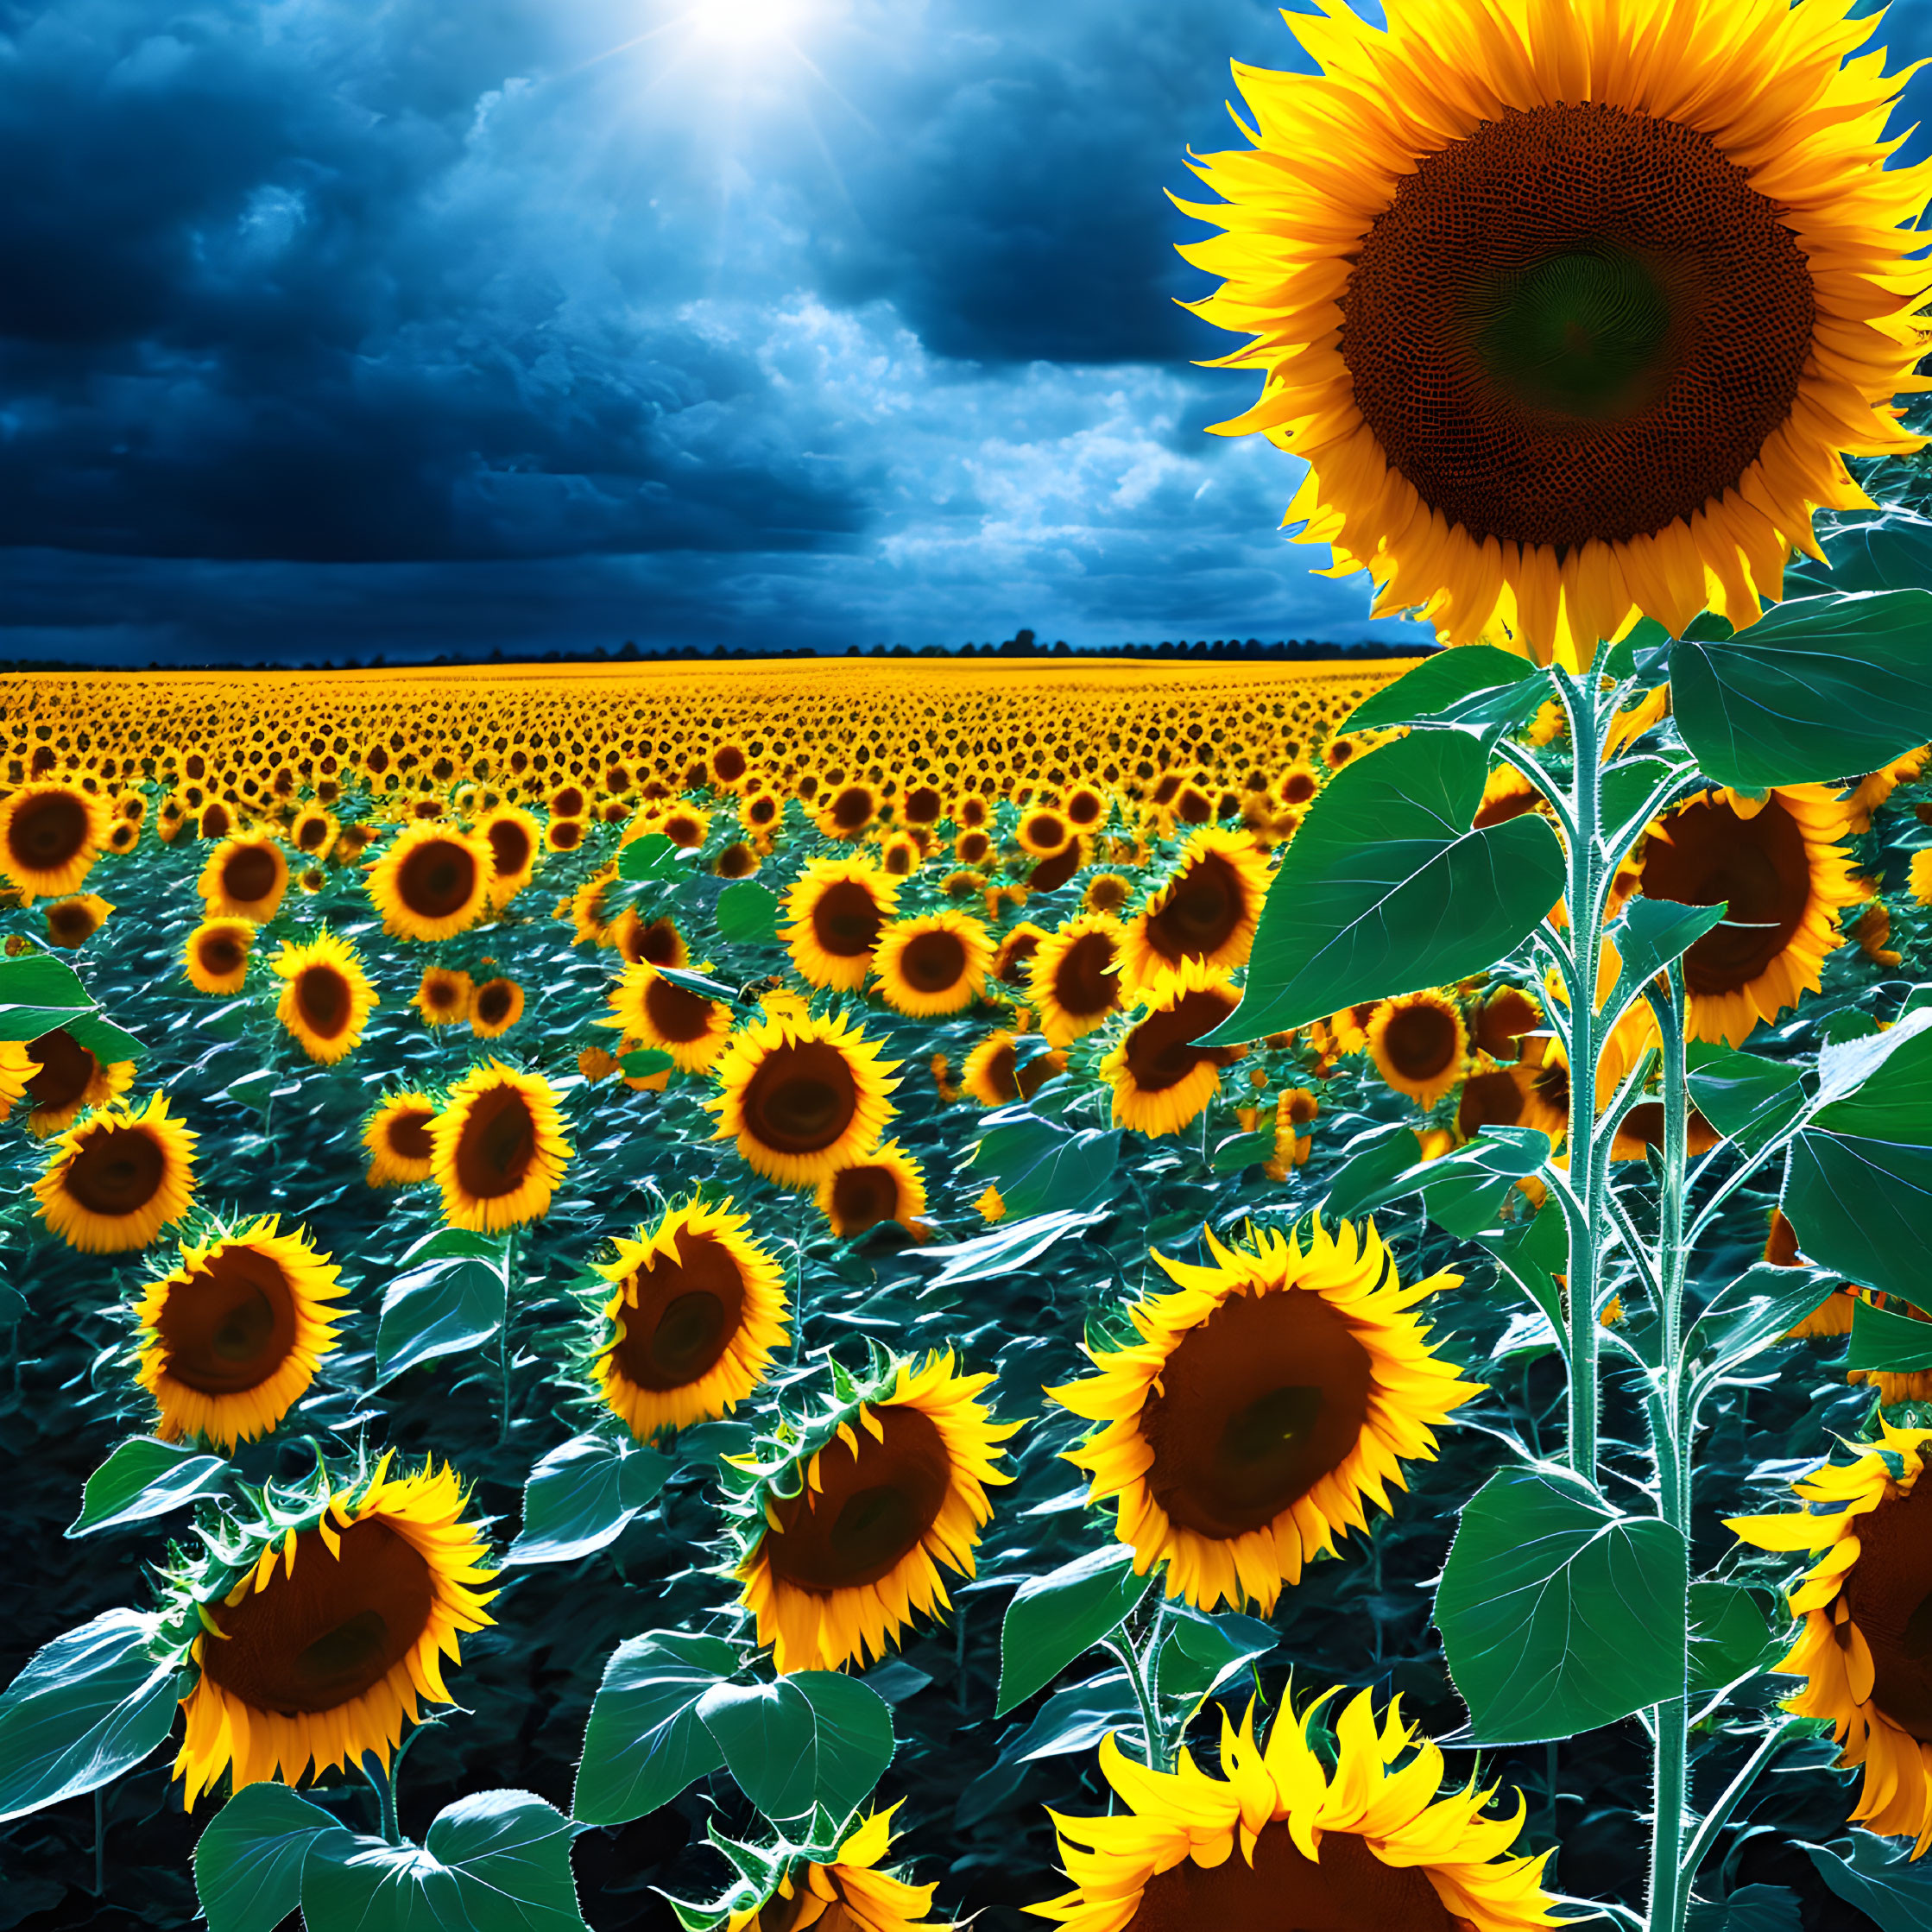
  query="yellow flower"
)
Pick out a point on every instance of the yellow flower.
point(327, 998)
point(495, 1007)
point(1207, 911)
point(933, 964)
point(117, 1178)
point(444, 997)
point(1073, 977)
point(851, 1894)
point(497, 1149)
point(1420, 1045)
point(995, 1077)
point(67, 1080)
point(396, 1136)
point(72, 922)
point(50, 835)
point(886, 1186)
point(432, 882)
point(836, 908)
point(215, 955)
point(244, 879)
point(1161, 1077)
point(647, 1008)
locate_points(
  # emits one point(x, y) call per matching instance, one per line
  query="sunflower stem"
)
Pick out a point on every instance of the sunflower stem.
point(383, 1784)
point(503, 1334)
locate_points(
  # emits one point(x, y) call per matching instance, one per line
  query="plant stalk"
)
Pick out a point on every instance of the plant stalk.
point(503, 1333)
point(383, 1784)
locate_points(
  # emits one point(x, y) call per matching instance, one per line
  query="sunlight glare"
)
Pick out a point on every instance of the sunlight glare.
point(745, 22)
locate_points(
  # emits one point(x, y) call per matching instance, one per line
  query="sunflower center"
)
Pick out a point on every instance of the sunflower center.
point(933, 961)
point(229, 1325)
point(1160, 1051)
point(1420, 1041)
point(1010, 968)
point(494, 1002)
point(1082, 983)
point(658, 945)
point(1298, 788)
point(1578, 323)
point(1759, 865)
point(409, 1136)
point(319, 1638)
point(67, 1069)
point(1489, 1100)
point(1047, 831)
point(116, 1171)
point(870, 1510)
point(802, 1098)
point(221, 954)
point(509, 847)
point(250, 875)
point(1002, 1073)
point(678, 1015)
point(1259, 1402)
point(71, 921)
point(1889, 1592)
point(923, 805)
point(1349, 1890)
point(845, 919)
point(313, 833)
point(862, 1198)
point(324, 999)
point(1053, 871)
point(437, 880)
point(680, 1316)
point(852, 809)
point(46, 831)
point(1203, 909)
point(496, 1145)
point(728, 762)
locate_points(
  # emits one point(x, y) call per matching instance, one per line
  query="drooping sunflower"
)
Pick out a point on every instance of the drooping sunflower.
point(1207, 910)
point(516, 842)
point(215, 955)
point(495, 1007)
point(1571, 311)
point(320, 1636)
point(887, 1185)
point(326, 997)
point(231, 1336)
point(647, 1008)
point(850, 1894)
point(1781, 868)
point(444, 997)
point(1420, 1045)
point(245, 878)
point(432, 882)
point(932, 963)
point(1861, 1649)
point(1285, 1836)
point(836, 907)
point(845, 1527)
point(698, 1313)
point(69, 1078)
point(1073, 977)
point(115, 1178)
point(994, 1075)
point(803, 1093)
point(497, 1148)
point(50, 835)
point(1266, 1401)
point(72, 922)
point(1162, 1078)
point(396, 1136)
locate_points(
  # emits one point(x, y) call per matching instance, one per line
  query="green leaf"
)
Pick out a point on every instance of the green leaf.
point(1891, 551)
point(1894, 1343)
point(1076, 1720)
point(144, 1477)
point(655, 857)
point(1640, 652)
point(1760, 1308)
point(1009, 1247)
point(747, 914)
point(1818, 687)
point(1462, 1192)
point(642, 1062)
point(1038, 1165)
point(1864, 1208)
point(1631, 784)
point(1367, 1176)
point(1747, 1098)
point(103, 1039)
point(1750, 1908)
point(1729, 1638)
point(813, 1738)
point(38, 994)
point(1241, 1151)
point(1056, 1618)
point(1436, 686)
point(1385, 888)
point(701, 984)
point(1879, 1085)
point(1882, 1881)
point(88, 1705)
point(1649, 935)
point(1559, 1614)
point(583, 1495)
point(1531, 1255)
point(645, 1741)
point(1200, 1653)
point(248, 1864)
point(445, 1306)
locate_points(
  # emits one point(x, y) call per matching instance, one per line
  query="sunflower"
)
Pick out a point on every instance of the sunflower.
point(17, 1067)
point(1043, 831)
point(68, 1079)
point(50, 835)
point(396, 1136)
point(847, 1526)
point(327, 997)
point(804, 1094)
point(232, 1335)
point(312, 832)
point(497, 1149)
point(495, 1007)
point(245, 878)
point(994, 1076)
point(1292, 1834)
point(115, 1178)
point(1571, 312)
point(516, 842)
point(933, 964)
point(699, 1313)
point(887, 1185)
point(850, 1894)
point(332, 1631)
point(845, 812)
point(1505, 1014)
point(1106, 892)
point(72, 922)
point(837, 908)
point(1017, 946)
point(1207, 911)
point(653, 942)
point(1420, 1045)
point(1161, 1077)
point(444, 996)
point(647, 1008)
point(433, 882)
point(1053, 871)
point(1073, 978)
point(1780, 869)
point(1861, 1649)
point(563, 835)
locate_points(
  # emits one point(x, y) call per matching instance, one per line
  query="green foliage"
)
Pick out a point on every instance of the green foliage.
point(583, 1495)
point(812, 1740)
point(646, 1740)
point(747, 914)
point(1040, 1166)
point(144, 1478)
point(449, 1302)
point(1441, 688)
point(248, 1864)
point(1054, 1619)
point(654, 860)
point(37, 993)
point(1886, 1885)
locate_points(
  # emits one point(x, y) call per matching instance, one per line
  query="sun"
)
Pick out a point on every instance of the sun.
point(745, 22)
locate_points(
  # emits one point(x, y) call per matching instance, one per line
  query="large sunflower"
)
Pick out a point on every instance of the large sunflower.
point(331, 1630)
point(50, 835)
point(1288, 1836)
point(1866, 1605)
point(497, 1149)
point(933, 964)
point(886, 1186)
point(849, 1526)
point(326, 997)
point(1207, 910)
point(699, 1313)
point(1780, 867)
point(1073, 975)
point(396, 1136)
point(836, 907)
point(1420, 1045)
point(1571, 309)
point(1265, 1402)
point(647, 1008)
point(804, 1094)
point(232, 1335)
point(215, 955)
point(244, 879)
point(1162, 1078)
point(68, 1079)
point(850, 1894)
point(117, 1178)
point(432, 882)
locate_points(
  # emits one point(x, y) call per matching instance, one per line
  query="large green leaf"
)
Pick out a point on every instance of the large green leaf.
point(582, 1495)
point(1651, 934)
point(1386, 887)
point(1889, 552)
point(1077, 1719)
point(747, 914)
point(39, 993)
point(645, 1741)
point(144, 1477)
point(1894, 1343)
point(1054, 1619)
point(1199, 1653)
point(248, 1864)
point(1881, 1879)
point(813, 1739)
point(1818, 687)
point(1761, 1307)
point(1747, 1098)
point(1559, 1614)
point(88, 1705)
point(1039, 1166)
point(449, 1303)
point(1729, 1637)
point(1437, 685)
point(656, 858)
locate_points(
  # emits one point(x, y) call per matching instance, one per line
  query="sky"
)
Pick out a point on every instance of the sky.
point(338, 328)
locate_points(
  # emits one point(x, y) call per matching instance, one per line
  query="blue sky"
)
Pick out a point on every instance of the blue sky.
point(332, 327)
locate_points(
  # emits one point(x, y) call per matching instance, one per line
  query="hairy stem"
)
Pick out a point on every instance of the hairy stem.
point(383, 1784)
point(503, 1350)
